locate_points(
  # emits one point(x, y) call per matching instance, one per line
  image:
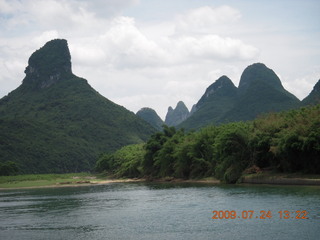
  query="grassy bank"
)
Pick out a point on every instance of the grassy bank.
point(80, 179)
point(39, 180)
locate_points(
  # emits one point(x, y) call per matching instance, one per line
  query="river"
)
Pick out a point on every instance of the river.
point(161, 211)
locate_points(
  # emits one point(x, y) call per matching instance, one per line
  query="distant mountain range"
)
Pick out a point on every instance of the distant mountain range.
point(56, 122)
point(260, 91)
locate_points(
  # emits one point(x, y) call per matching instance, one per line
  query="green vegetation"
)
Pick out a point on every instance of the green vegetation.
point(64, 128)
point(151, 117)
point(218, 99)
point(125, 162)
point(8, 168)
point(37, 180)
point(55, 122)
point(287, 142)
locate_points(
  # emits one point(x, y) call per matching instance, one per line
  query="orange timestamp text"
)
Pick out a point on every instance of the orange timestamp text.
point(263, 214)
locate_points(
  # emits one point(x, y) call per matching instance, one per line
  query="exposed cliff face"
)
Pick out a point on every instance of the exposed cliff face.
point(175, 116)
point(48, 65)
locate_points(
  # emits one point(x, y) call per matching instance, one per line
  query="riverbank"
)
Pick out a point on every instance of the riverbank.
point(281, 179)
point(68, 184)
point(80, 179)
point(86, 179)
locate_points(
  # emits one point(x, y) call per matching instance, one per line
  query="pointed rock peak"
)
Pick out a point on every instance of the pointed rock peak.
point(150, 116)
point(48, 64)
point(181, 105)
point(258, 72)
point(223, 82)
point(177, 115)
point(146, 110)
point(170, 110)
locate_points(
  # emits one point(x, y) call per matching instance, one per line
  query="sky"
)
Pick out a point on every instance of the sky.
point(154, 53)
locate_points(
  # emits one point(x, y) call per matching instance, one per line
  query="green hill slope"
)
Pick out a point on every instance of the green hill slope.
point(150, 116)
point(260, 91)
point(56, 122)
point(314, 96)
point(218, 98)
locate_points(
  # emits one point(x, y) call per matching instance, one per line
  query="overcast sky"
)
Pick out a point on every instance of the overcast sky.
point(153, 53)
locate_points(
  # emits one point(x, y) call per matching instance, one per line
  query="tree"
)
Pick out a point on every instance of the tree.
point(232, 152)
point(8, 168)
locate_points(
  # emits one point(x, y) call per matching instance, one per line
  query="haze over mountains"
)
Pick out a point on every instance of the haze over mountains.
point(56, 122)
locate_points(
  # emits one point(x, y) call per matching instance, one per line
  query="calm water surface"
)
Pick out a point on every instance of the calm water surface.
point(157, 211)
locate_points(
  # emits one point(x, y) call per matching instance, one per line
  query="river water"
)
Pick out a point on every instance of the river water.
point(161, 211)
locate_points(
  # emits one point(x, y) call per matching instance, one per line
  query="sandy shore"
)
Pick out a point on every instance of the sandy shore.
point(108, 181)
point(77, 184)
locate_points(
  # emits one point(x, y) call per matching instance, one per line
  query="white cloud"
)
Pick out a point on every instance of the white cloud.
point(303, 85)
point(107, 8)
point(8, 8)
point(45, 37)
point(206, 19)
point(214, 47)
point(128, 46)
point(139, 63)
point(123, 61)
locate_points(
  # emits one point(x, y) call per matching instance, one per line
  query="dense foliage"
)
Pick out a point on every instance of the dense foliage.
point(285, 142)
point(125, 162)
point(64, 128)
point(8, 168)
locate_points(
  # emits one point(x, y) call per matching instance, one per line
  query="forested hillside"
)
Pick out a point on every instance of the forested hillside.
point(284, 142)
